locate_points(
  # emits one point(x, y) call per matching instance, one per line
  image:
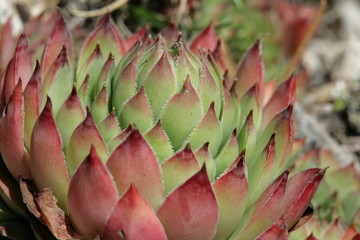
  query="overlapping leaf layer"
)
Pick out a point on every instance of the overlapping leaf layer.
point(145, 138)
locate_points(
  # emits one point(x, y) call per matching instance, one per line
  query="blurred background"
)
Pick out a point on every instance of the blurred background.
point(321, 45)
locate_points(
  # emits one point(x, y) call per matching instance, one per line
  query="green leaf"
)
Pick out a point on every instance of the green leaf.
point(181, 114)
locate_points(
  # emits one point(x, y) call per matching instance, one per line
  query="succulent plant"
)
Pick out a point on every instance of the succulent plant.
point(316, 229)
point(145, 141)
point(337, 201)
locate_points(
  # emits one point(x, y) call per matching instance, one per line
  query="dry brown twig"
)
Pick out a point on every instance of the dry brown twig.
point(101, 11)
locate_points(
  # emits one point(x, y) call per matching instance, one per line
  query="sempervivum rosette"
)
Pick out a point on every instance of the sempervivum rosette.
point(147, 144)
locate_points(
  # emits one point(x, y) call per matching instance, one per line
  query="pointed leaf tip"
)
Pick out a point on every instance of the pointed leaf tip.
point(84, 136)
point(231, 191)
point(11, 135)
point(190, 211)
point(282, 97)
point(47, 162)
point(187, 108)
point(60, 36)
point(179, 168)
point(266, 209)
point(133, 218)
point(134, 162)
point(207, 40)
point(90, 179)
point(299, 192)
point(250, 70)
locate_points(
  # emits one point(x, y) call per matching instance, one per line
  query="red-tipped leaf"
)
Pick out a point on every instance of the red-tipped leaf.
point(250, 70)
point(83, 137)
point(47, 163)
point(133, 218)
point(231, 191)
point(299, 192)
point(191, 211)
point(60, 36)
point(11, 136)
point(134, 162)
point(206, 40)
point(178, 169)
point(92, 196)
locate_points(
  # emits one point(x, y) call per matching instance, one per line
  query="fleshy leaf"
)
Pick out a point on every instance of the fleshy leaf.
point(12, 148)
point(231, 191)
point(265, 211)
point(60, 36)
point(224, 59)
point(108, 37)
point(184, 66)
point(269, 89)
point(278, 231)
point(133, 218)
point(137, 36)
point(170, 33)
point(18, 67)
point(181, 114)
point(250, 102)
point(282, 97)
point(229, 114)
point(120, 138)
point(312, 237)
point(247, 137)
point(58, 82)
point(304, 218)
point(191, 211)
point(7, 44)
point(345, 176)
point(70, 115)
point(333, 231)
point(208, 130)
point(90, 186)
point(227, 154)
point(47, 163)
point(283, 126)
point(159, 142)
point(105, 76)
point(178, 169)
point(83, 137)
point(209, 90)
point(134, 162)
point(148, 60)
point(262, 171)
point(83, 91)
point(39, 29)
point(92, 67)
point(32, 97)
point(350, 233)
point(137, 111)
point(160, 84)
point(203, 156)
point(125, 86)
point(250, 70)
point(109, 128)
point(206, 40)
point(299, 192)
point(99, 108)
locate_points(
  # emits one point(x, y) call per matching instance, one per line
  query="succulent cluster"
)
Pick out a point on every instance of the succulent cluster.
point(337, 201)
point(144, 138)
